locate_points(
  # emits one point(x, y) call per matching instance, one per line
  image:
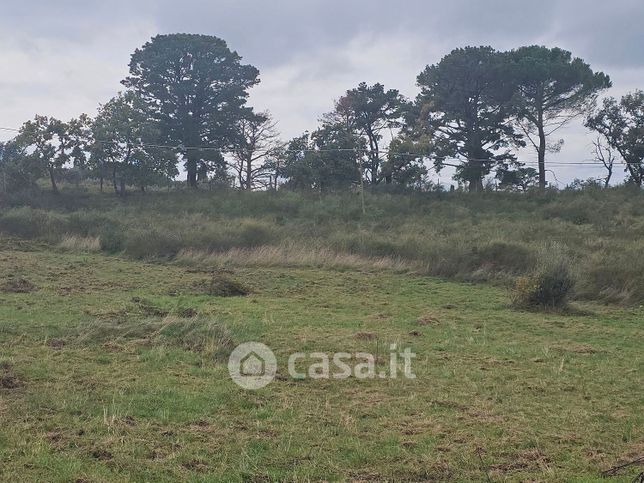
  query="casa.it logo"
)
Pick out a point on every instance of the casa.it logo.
point(252, 365)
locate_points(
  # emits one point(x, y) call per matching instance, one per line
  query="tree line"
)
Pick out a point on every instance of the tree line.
point(184, 103)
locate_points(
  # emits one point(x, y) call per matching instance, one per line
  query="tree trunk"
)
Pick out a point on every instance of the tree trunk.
point(608, 176)
point(541, 151)
point(116, 188)
point(249, 174)
point(476, 185)
point(191, 170)
point(475, 167)
point(54, 186)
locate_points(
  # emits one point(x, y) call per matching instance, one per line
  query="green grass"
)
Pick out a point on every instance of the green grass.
point(492, 237)
point(103, 379)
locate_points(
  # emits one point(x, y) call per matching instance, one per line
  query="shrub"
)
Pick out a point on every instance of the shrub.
point(29, 223)
point(75, 243)
point(500, 256)
point(221, 285)
point(146, 243)
point(111, 238)
point(549, 286)
point(254, 234)
point(614, 274)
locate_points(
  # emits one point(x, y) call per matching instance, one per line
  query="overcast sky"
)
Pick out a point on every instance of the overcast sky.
point(64, 57)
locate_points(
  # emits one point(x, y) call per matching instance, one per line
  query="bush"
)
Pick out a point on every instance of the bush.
point(148, 243)
point(111, 237)
point(500, 256)
point(614, 274)
point(29, 223)
point(549, 286)
point(254, 234)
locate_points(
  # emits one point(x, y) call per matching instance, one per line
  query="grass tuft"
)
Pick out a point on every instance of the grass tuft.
point(75, 243)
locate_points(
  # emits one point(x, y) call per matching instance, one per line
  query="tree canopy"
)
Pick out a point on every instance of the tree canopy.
point(196, 89)
point(186, 103)
point(622, 124)
point(130, 155)
point(368, 112)
point(551, 88)
point(464, 104)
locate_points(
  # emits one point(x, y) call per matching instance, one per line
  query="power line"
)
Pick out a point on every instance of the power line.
point(182, 148)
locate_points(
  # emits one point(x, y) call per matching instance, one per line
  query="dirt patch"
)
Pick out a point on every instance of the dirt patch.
point(531, 459)
point(427, 319)
point(102, 454)
point(56, 343)
point(576, 348)
point(17, 285)
point(195, 465)
point(147, 308)
point(223, 285)
point(365, 336)
point(8, 378)
point(187, 312)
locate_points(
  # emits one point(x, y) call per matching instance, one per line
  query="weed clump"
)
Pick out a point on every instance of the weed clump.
point(223, 285)
point(197, 334)
point(8, 379)
point(549, 286)
point(75, 243)
point(17, 285)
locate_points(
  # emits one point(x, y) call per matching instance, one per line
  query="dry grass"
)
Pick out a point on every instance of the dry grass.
point(290, 255)
point(75, 243)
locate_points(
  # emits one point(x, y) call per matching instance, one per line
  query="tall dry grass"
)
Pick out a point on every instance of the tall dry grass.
point(291, 255)
point(474, 237)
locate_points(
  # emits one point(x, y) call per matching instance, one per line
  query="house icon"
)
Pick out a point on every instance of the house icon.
point(252, 365)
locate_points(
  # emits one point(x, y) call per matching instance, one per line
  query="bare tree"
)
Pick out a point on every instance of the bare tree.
point(606, 155)
point(250, 158)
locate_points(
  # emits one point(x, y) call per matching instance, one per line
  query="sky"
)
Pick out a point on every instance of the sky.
point(64, 57)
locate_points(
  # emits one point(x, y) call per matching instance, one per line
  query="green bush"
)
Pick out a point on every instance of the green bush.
point(149, 243)
point(500, 256)
point(26, 222)
point(549, 286)
point(254, 234)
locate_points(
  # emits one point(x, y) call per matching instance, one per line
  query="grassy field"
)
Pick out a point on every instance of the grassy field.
point(490, 237)
point(114, 368)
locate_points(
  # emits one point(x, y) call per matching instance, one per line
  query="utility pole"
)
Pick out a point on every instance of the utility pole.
point(4, 170)
point(360, 167)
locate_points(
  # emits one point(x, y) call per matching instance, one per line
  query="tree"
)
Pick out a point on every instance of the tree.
point(50, 143)
point(464, 106)
point(405, 164)
point(196, 88)
point(520, 178)
point(370, 111)
point(325, 160)
point(258, 139)
point(552, 88)
point(125, 143)
point(606, 156)
point(18, 171)
point(622, 124)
